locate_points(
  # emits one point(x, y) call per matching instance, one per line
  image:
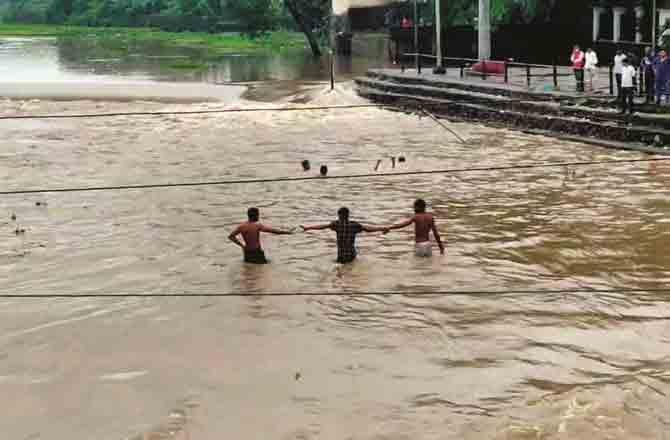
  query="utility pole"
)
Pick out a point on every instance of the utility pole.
point(484, 32)
point(416, 36)
point(439, 69)
point(653, 26)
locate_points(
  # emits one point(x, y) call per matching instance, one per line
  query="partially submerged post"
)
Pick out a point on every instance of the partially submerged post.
point(439, 68)
point(484, 30)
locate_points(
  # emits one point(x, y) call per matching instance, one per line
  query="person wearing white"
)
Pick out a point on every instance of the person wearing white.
point(628, 74)
point(618, 67)
point(591, 67)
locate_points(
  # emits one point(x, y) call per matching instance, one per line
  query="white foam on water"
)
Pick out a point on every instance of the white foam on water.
point(123, 376)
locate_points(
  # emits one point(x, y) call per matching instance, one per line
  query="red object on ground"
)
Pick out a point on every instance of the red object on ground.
point(490, 67)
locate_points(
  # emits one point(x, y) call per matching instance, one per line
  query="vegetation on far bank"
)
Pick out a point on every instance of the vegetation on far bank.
point(258, 20)
point(214, 43)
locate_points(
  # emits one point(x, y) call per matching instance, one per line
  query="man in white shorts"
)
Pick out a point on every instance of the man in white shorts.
point(424, 223)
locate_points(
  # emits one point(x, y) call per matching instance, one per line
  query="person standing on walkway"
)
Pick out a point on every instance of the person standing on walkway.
point(591, 67)
point(647, 68)
point(661, 74)
point(628, 74)
point(577, 59)
point(618, 67)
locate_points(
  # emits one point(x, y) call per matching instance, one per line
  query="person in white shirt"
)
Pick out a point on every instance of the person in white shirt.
point(628, 74)
point(591, 67)
point(618, 66)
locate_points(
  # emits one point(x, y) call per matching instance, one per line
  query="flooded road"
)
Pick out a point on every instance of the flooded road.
point(512, 366)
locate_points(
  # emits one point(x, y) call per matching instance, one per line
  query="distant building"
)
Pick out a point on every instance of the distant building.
point(627, 22)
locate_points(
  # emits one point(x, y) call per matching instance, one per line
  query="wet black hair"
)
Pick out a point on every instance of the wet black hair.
point(305, 165)
point(323, 170)
point(253, 214)
point(419, 206)
point(343, 213)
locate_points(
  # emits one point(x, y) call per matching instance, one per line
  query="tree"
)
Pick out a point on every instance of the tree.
point(305, 18)
point(257, 16)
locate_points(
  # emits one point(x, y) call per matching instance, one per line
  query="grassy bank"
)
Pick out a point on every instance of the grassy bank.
point(213, 43)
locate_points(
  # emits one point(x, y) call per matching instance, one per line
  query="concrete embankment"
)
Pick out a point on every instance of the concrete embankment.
point(591, 119)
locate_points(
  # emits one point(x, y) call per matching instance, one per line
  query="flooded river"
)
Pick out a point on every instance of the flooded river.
point(454, 366)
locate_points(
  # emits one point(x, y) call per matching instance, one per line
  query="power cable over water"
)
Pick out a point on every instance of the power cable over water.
point(326, 178)
point(340, 294)
point(191, 112)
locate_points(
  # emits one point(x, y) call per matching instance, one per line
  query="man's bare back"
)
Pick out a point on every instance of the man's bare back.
point(423, 223)
point(251, 234)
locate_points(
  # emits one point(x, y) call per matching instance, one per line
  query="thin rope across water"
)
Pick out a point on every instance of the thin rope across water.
point(327, 178)
point(426, 293)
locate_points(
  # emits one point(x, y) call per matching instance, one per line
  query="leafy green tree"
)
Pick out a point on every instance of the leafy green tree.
point(257, 16)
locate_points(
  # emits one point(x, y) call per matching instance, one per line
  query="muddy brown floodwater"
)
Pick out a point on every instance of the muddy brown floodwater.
point(512, 366)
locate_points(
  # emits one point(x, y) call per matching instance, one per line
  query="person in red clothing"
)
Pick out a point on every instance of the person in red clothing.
point(406, 23)
point(578, 60)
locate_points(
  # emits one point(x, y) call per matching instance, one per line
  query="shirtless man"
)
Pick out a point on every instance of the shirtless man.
point(423, 223)
point(251, 233)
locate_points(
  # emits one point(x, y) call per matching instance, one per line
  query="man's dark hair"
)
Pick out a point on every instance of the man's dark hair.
point(253, 214)
point(343, 213)
point(323, 170)
point(419, 206)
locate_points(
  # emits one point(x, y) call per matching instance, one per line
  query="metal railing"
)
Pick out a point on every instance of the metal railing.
point(530, 70)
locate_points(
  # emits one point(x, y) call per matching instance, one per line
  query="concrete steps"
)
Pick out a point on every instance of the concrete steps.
point(546, 112)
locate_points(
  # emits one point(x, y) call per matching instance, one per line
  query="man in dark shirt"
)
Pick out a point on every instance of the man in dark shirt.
point(346, 232)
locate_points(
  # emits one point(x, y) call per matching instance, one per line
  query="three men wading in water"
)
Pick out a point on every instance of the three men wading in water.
point(345, 230)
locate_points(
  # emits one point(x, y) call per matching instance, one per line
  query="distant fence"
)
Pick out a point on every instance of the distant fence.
point(510, 72)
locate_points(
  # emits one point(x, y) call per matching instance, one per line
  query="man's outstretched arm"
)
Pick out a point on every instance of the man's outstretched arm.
point(275, 231)
point(233, 237)
point(369, 228)
point(401, 224)
point(315, 227)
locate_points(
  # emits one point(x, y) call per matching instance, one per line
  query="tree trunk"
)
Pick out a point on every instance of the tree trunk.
point(300, 20)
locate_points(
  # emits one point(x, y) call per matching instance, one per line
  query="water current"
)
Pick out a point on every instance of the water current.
point(454, 366)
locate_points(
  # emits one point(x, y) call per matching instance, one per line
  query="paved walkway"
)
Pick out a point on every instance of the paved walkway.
point(541, 80)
